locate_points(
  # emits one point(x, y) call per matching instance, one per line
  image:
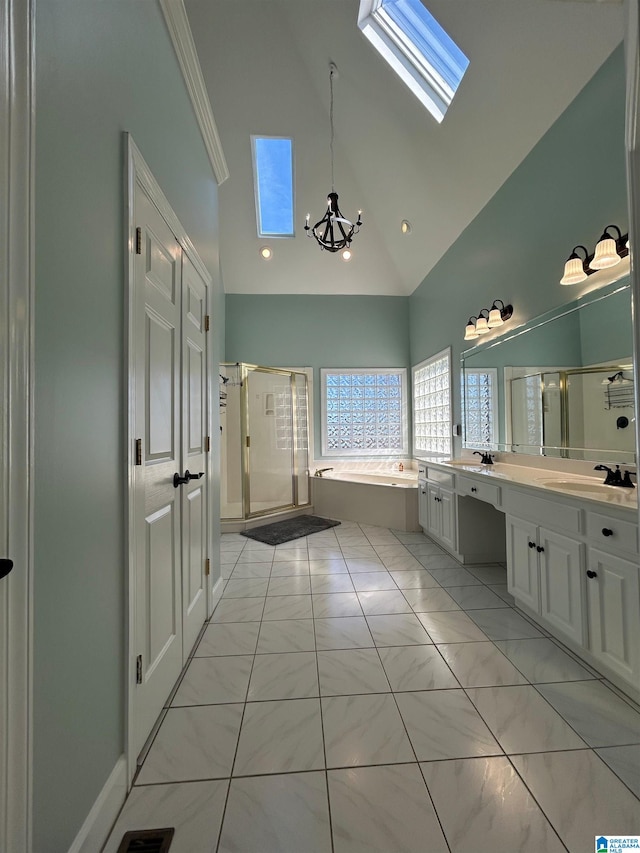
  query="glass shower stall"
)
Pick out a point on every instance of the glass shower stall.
point(264, 466)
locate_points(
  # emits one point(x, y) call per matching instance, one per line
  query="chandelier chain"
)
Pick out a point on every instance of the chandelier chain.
point(331, 123)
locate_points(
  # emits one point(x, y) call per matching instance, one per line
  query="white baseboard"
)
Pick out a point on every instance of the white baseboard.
point(95, 830)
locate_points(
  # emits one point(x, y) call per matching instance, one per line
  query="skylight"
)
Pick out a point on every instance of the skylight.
point(273, 182)
point(417, 48)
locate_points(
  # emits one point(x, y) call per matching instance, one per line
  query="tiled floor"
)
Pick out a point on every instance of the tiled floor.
point(357, 692)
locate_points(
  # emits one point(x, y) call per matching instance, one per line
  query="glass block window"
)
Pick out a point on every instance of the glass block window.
point(364, 412)
point(480, 407)
point(432, 405)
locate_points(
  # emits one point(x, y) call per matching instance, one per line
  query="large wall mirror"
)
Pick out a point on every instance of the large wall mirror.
point(562, 385)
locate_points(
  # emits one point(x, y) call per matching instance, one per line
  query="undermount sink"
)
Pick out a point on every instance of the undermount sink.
point(585, 487)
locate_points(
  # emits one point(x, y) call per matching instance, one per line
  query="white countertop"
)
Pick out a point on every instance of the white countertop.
point(551, 482)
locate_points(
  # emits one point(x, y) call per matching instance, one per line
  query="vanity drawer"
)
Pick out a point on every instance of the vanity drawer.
point(442, 478)
point(476, 489)
point(622, 535)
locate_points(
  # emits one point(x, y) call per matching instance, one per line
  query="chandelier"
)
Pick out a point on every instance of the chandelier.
point(333, 232)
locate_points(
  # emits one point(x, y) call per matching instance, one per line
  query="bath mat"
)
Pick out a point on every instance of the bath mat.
point(292, 528)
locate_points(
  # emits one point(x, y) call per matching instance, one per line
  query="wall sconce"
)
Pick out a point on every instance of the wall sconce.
point(487, 320)
point(610, 250)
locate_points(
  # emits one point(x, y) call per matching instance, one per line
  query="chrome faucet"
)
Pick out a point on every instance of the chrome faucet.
point(487, 458)
point(615, 478)
point(320, 471)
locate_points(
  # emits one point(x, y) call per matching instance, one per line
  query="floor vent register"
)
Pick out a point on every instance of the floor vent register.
point(146, 841)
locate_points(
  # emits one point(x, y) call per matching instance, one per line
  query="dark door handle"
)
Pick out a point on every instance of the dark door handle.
point(539, 549)
point(532, 544)
point(591, 574)
point(606, 531)
point(5, 567)
point(473, 489)
point(180, 481)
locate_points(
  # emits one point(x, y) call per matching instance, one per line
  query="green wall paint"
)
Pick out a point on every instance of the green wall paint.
point(102, 68)
point(317, 331)
point(566, 190)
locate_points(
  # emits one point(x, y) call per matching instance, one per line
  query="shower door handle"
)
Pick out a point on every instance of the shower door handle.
point(180, 481)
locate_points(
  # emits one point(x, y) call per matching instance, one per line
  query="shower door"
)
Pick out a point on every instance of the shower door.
point(269, 440)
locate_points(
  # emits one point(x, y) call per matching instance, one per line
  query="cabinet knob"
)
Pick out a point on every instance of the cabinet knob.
point(473, 489)
point(532, 544)
point(606, 531)
point(591, 574)
point(539, 549)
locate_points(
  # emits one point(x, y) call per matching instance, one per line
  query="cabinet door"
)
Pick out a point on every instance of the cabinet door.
point(613, 600)
point(522, 562)
point(562, 583)
point(423, 508)
point(434, 514)
point(448, 518)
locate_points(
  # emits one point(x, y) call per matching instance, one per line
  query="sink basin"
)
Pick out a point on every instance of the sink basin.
point(586, 487)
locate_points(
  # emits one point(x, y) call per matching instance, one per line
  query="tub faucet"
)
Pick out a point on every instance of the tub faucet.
point(320, 471)
point(487, 458)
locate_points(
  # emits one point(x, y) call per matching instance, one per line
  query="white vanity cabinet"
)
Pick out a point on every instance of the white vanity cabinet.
point(441, 515)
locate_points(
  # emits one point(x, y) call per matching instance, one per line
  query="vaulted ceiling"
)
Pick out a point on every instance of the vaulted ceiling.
point(265, 64)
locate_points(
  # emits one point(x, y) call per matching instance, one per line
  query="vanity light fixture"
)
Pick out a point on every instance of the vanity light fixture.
point(487, 320)
point(610, 250)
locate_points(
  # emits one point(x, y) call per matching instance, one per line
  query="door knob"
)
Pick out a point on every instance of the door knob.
point(539, 549)
point(5, 567)
point(180, 481)
point(607, 531)
point(591, 574)
point(532, 544)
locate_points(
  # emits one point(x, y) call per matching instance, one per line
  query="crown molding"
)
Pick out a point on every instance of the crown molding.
point(175, 16)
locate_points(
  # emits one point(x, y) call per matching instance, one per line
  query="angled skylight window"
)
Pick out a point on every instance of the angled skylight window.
point(273, 182)
point(417, 48)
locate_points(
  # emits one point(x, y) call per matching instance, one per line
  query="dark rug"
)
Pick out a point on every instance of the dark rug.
point(292, 528)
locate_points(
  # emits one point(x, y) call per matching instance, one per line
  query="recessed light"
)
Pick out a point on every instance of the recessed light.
point(266, 253)
point(405, 226)
point(346, 255)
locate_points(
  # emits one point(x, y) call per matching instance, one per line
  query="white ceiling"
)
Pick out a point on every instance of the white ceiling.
point(265, 64)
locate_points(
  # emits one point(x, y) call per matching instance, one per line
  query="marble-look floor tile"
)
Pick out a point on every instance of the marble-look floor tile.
point(290, 568)
point(391, 550)
point(521, 720)
point(386, 601)
point(453, 577)
point(411, 668)
point(336, 604)
point(439, 561)
point(238, 610)
point(412, 538)
point(329, 566)
point(350, 632)
point(292, 675)
point(246, 588)
point(401, 562)
point(358, 552)
point(504, 624)
point(501, 590)
point(251, 570)
point(434, 598)
point(299, 585)
point(372, 581)
point(540, 660)
point(480, 665)
point(398, 629)
point(420, 579)
point(595, 712)
point(214, 680)
point(290, 635)
point(451, 627)
point(331, 583)
point(280, 737)
point(194, 809)
point(289, 554)
point(282, 607)
point(580, 796)
point(348, 672)
point(500, 815)
point(284, 813)
point(364, 564)
point(361, 730)
point(476, 597)
point(193, 743)
point(625, 763)
point(489, 574)
point(445, 724)
point(229, 638)
point(425, 549)
point(255, 556)
point(383, 810)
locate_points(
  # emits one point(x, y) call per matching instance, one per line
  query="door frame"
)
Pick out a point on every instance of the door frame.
point(17, 103)
point(138, 173)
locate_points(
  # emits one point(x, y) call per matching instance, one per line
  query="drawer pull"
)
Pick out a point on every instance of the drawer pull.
point(539, 549)
point(473, 489)
point(606, 531)
point(591, 574)
point(532, 544)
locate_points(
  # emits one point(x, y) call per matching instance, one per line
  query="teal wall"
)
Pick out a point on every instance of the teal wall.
point(566, 190)
point(317, 331)
point(103, 67)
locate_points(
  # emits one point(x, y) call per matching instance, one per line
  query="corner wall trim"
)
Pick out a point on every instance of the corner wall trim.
point(175, 16)
point(97, 826)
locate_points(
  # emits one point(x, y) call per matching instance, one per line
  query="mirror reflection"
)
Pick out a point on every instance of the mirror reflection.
point(562, 385)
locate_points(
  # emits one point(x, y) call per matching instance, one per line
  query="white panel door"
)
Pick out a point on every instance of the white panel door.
point(158, 611)
point(523, 574)
point(194, 494)
point(561, 583)
point(613, 597)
